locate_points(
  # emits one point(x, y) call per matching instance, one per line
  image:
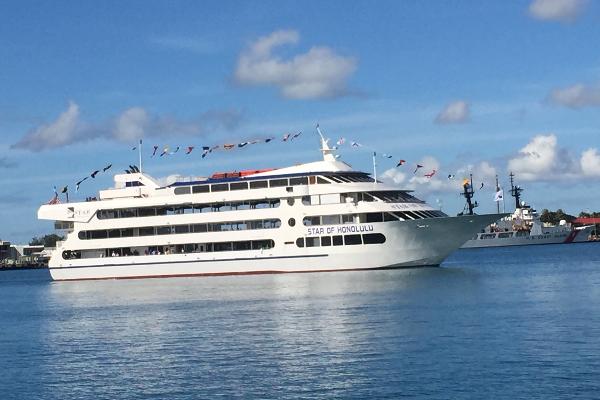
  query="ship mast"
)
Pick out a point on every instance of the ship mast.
point(468, 193)
point(515, 191)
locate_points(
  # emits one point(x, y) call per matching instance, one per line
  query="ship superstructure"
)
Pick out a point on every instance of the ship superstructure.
point(318, 216)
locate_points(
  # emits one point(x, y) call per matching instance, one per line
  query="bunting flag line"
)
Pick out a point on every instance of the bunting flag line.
point(165, 151)
point(417, 168)
point(189, 149)
point(401, 162)
point(481, 187)
point(341, 141)
point(356, 144)
point(296, 135)
point(93, 174)
point(65, 189)
point(431, 174)
point(106, 168)
point(155, 148)
point(450, 177)
point(79, 183)
point(286, 137)
point(176, 150)
point(228, 146)
point(55, 192)
point(242, 144)
point(386, 155)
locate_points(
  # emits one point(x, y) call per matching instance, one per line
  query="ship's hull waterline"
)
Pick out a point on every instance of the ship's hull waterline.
point(408, 244)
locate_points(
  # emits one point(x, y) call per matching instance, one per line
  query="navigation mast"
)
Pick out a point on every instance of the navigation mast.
point(515, 191)
point(468, 193)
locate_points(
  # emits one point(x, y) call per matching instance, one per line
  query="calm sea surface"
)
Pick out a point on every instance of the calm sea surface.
point(507, 323)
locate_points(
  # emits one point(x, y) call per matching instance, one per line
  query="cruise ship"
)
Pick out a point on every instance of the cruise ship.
point(318, 216)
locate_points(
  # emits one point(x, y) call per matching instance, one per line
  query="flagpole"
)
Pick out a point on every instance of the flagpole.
point(375, 168)
point(140, 155)
point(497, 190)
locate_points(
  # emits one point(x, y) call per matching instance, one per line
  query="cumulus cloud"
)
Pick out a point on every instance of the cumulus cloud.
point(318, 73)
point(543, 159)
point(131, 125)
point(64, 130)
point(454, 113)
point(590, 163)
point(576, 96)
point(557, 10)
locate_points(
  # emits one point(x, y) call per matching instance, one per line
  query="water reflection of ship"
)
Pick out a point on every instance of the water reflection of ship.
point(525, 227)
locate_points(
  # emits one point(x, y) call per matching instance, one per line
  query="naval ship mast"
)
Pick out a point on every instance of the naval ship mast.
point(515, 191)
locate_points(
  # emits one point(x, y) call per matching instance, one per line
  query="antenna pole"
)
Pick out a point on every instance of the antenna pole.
point(497, 190)
point(140, 154)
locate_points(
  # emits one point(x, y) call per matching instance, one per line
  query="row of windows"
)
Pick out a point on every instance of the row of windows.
point(340, 240)
point(394, 196)
point(370, 217)
point(173, 249)
point(271, 183)
point(187, 209)
point(176, 229)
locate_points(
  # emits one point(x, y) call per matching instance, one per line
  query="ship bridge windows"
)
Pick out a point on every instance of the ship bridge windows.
point(259, 184)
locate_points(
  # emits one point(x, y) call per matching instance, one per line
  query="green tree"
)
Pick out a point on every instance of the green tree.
point(46, 240)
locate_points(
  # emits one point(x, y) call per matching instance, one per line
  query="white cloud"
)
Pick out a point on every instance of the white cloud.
point(576, 96)
point(63, 130)
point(130, 125)
point(454, 113)
point(318, 73)
point(557, 10)
point(590, 163)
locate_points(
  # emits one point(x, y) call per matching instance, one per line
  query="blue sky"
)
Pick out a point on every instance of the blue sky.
point(460, 87)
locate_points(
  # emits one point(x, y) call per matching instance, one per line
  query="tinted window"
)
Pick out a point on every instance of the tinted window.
point(352, 239)
point(337, 240)
point(238, 186)
point(299, 181)
point(258, 184)
point(183, 190)
point(326, 241)
point(373, 238)
point(221, 187)
point(200, 189)
point(278, 182)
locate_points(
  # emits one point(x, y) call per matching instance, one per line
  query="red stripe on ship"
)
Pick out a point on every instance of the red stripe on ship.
point(571, 236)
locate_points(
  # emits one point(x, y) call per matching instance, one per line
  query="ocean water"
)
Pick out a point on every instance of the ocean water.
point(511, 323)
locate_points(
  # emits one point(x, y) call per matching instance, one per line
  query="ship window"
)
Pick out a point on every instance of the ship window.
point(326, 241)
point(262, 244)
point(347, 218)
point(128, 213)
point(389, 217)
point(127, 232)
point(411, 215)
point(312, 180)
point(100, 234)
point(219, 187)
point(299, 181)
point(199, 228)
point(321, 180)
point(183, 190)
point(505, 235)
point(315, 220)
point(147, 212)
point(82, 235)
point(163, 230)
point(146, 231)
point(331, 219)
point(278, 182)
point(337, 240)
point(300, 242)
point(245, 245)
point(373, 238)
point(312, 242)
point(238, 186)
point(259, 184)
point(182, 229)
point(374, 217)
point(352, 239)
point(225, 246)
point(106, 214)
point(114, 233)
point(333, 178)
point(291, 222)
point(200, 189)
point(290, 201)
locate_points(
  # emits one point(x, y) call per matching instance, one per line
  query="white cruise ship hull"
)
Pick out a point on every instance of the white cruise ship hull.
point(408, 244)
